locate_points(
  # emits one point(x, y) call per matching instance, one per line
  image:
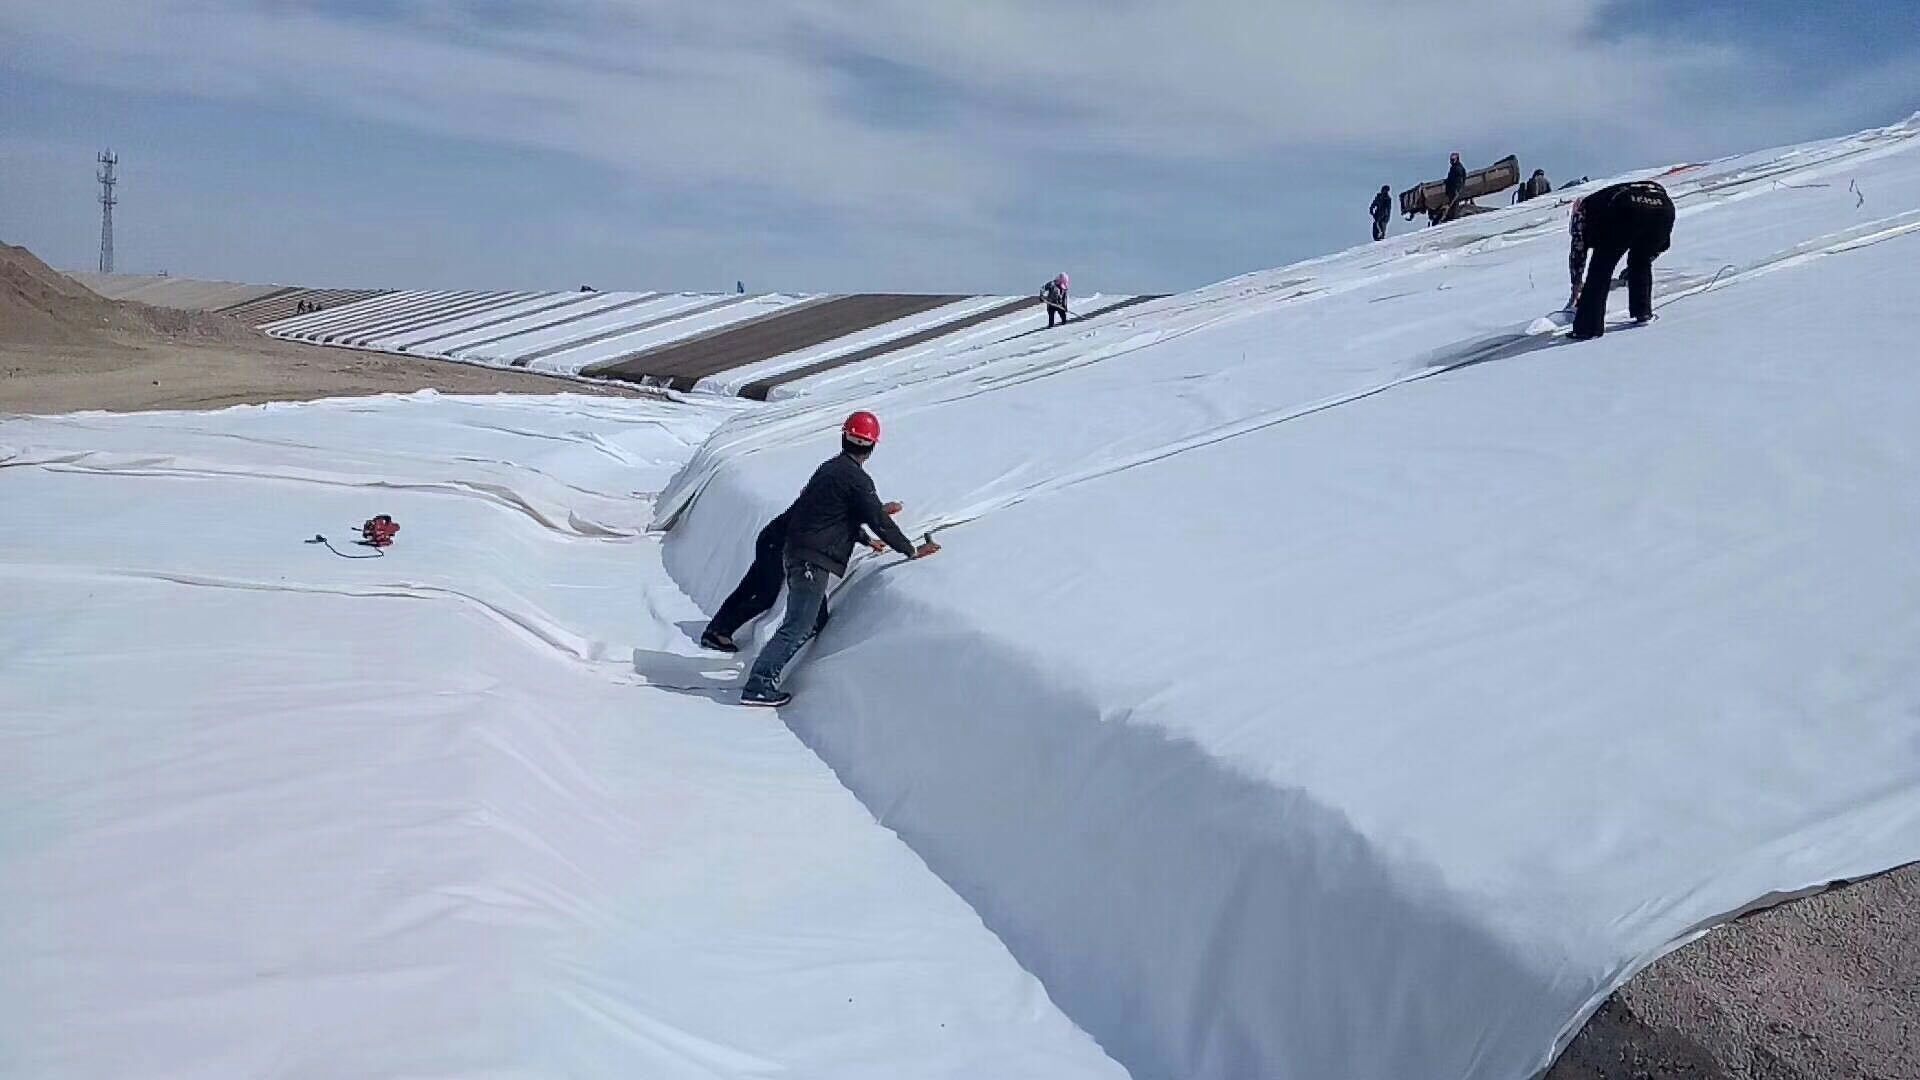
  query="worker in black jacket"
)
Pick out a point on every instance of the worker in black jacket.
point(1635, 220)
point(1382, 210)
point(823, 524)
point(1456, 182)
point(761, 586)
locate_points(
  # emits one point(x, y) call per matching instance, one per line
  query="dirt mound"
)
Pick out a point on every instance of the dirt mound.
point(41, 306)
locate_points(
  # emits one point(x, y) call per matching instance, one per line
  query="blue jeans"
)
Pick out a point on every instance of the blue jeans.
point(806, 598)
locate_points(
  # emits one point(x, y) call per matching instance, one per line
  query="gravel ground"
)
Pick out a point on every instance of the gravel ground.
point(1824, 988)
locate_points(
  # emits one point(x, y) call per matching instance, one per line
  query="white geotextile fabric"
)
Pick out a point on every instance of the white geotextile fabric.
point(269, 812)
point(1324, 677)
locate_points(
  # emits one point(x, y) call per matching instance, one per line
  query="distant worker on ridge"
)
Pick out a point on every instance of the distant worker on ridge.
point(1535, 186)
point(1456, 182)
point(822, 526)
point(1382, 210)
point(1055, 294)
point(1633, 219)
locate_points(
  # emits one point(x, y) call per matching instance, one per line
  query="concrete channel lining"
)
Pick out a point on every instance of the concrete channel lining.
point(340, 316)
point(356, 324)
point(437, 316)
point(565, 300)
point(682, 364)
point(314, 324)
point(758, 390)
point(308, 326)
point(574, 316)
point(284, 304)
point(661, 320)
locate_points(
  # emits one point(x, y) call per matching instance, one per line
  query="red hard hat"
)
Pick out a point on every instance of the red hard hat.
point(861, 427)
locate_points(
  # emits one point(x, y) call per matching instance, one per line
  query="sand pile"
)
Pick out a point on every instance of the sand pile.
point(41, 306)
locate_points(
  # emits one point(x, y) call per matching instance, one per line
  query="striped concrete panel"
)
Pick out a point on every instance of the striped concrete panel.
point(957, 339)
point(609, 333)
point(542, 305)
point(357, 330)
point(682, 365)
point(330, 326)
point(758, 390)
point(498, 305)
point(439, 316)
point(730, 381)
point(285, 303)
point(365, 323)
point(311, 326)
point(297, 327)
point(645, 308)
point(479, 339)
point(699, 324)
point(332, 319)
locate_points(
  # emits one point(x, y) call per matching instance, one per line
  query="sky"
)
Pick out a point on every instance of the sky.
point(843, 145)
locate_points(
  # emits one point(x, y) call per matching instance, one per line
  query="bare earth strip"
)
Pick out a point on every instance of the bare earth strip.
point(189, 374)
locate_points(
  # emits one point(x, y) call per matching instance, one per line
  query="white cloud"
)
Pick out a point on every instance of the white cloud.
point(746, 93)
point(772, 99)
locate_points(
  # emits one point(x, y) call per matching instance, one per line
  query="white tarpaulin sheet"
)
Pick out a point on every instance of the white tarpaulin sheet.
point(269, 812)
point(1326, 677)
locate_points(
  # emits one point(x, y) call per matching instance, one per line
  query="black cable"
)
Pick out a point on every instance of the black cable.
point(378, 553)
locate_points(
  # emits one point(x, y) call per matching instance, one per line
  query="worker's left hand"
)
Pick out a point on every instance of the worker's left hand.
point(879, 546)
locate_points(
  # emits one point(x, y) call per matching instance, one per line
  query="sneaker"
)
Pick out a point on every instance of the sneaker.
point(765, 699)
point(717, 642)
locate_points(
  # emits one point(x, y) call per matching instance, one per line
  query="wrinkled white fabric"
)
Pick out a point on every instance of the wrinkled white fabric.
point(474, 808)
point(1326, 677)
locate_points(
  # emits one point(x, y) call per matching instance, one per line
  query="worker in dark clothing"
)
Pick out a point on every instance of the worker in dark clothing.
point(1456, 183)
point(1535, 186)
point(1382, 210)
point(757, 591)
point(1634, 220)
point(1055, 294)
point(823, 524)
